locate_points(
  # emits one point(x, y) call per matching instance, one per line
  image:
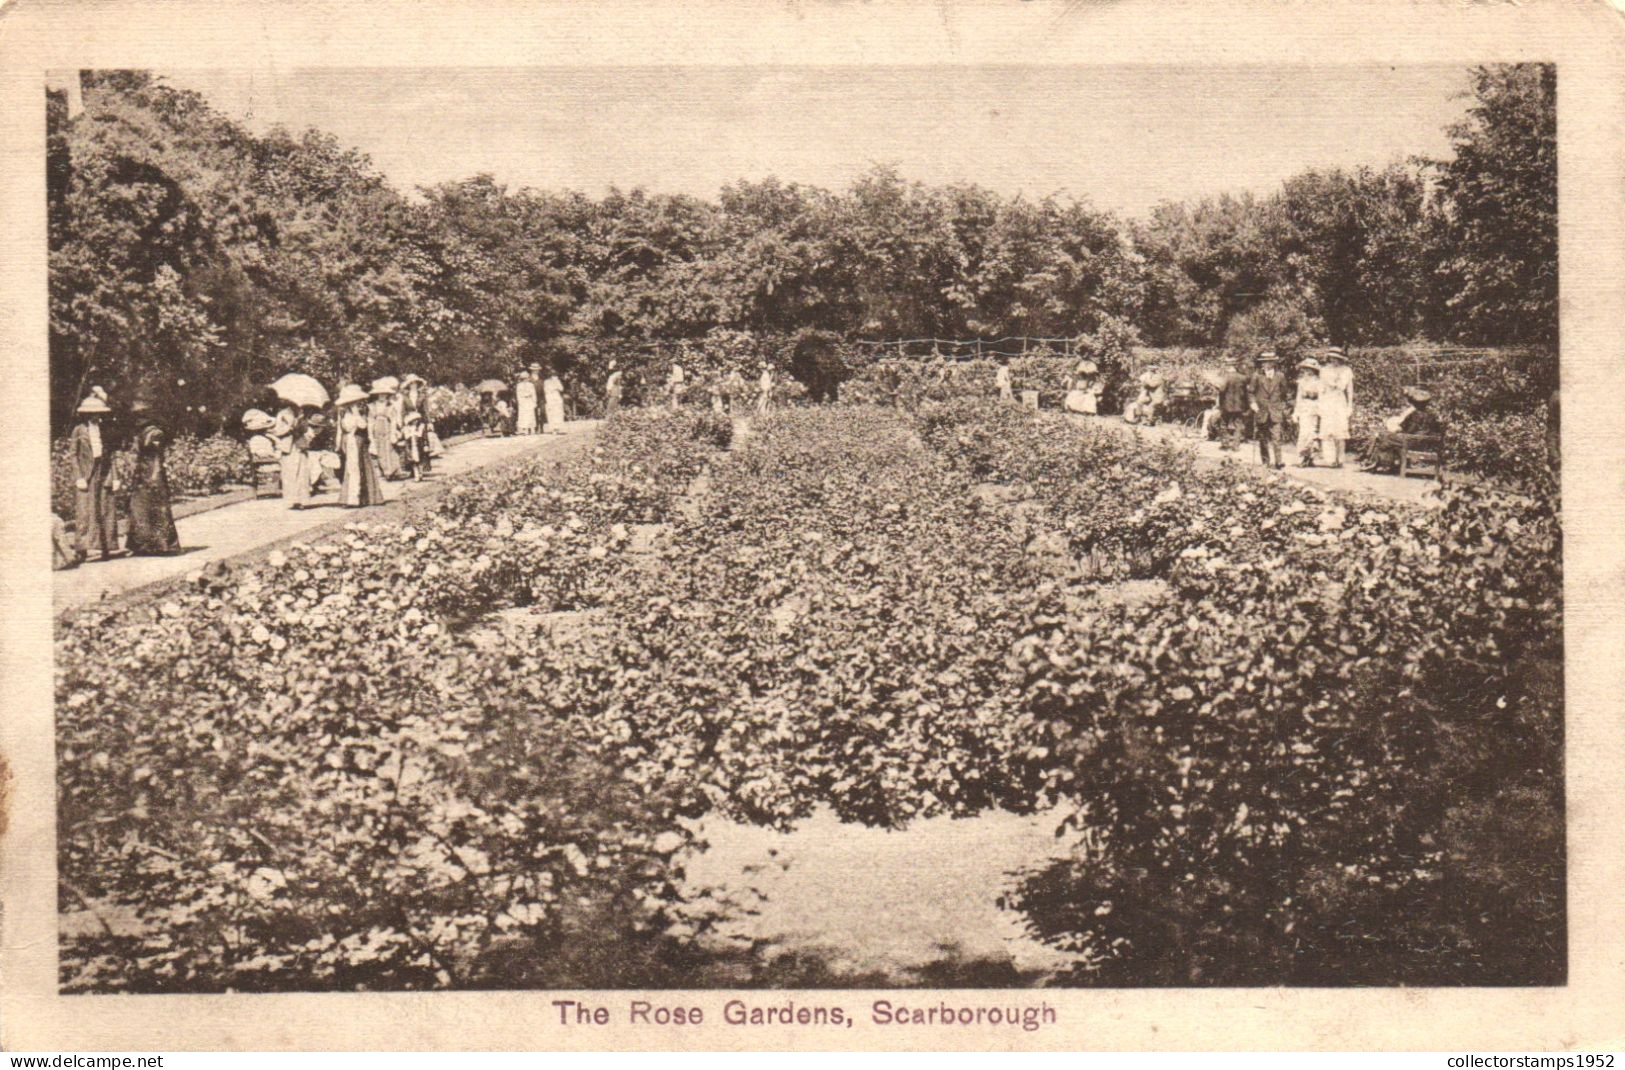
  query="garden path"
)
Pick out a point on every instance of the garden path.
point(1348, 479)
point(237, 529)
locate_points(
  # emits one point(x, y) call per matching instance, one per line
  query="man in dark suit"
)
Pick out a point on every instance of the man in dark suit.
point(1233, 394)
point(1267, 395)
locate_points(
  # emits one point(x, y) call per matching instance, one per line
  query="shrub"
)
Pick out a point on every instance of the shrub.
point(1315, 760)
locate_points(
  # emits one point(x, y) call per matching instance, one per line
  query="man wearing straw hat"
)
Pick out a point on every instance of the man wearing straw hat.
point(95, 518)
point(1267, 399)
point(1233, 391)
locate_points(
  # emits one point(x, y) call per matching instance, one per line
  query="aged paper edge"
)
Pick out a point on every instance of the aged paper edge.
point(1585, 39)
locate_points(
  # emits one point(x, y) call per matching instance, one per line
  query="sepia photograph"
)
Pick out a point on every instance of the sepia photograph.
point(898, 526)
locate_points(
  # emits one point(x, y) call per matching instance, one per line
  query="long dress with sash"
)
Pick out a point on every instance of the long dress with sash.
point(292, 447)
point(361, 483)
point(524, 393)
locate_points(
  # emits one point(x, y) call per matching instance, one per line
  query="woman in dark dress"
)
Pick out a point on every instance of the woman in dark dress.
point(95, 521)
point(152, 523)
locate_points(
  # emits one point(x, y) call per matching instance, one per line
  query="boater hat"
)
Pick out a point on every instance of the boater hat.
point(93, 406)
point(1309, 362)
point(379, 386)
point(1418, 395)
point(1268, 357)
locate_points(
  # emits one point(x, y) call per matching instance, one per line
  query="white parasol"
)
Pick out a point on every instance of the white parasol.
point(298, 389)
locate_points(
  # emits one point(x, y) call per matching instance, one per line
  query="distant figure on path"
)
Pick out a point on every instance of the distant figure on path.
point(1306, 411)
point(675, 383)
point(360, 482)
point(612, 391)
point(1336, 405)
point(288, 431)
point(1147, 405)
point(415, 401)
point(414, 446)
point(733, 390)
point(384, 432)
point(152, 522)
point(764, 390)
point(1267, 399)
point(524, 395)
point(1233, 405)
point(1001, 379)
point(553, 395)
point(95, 519)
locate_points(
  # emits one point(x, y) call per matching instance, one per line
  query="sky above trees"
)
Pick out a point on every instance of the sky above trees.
point(1125, 138)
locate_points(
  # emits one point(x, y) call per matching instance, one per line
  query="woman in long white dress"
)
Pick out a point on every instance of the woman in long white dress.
point(764, 387)
point(553, 396)
point(288, 432)
point(1336, 405)
point(524, 393)
point(1306, 411)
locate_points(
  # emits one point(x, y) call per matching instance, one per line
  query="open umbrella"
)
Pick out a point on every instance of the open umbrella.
point(297, 389)
point(492, 386)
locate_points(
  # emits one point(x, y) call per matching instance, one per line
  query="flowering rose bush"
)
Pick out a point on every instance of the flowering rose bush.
point(1325, 749)
point(298, 776)
point(1310, 762)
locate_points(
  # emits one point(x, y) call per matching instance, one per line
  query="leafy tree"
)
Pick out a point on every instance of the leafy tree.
point(1498, 194)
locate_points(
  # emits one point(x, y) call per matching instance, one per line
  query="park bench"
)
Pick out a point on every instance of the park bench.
point(1422, 455)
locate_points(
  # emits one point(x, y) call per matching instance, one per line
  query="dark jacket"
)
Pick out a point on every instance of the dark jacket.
point(1233, 393)
point(1268, 394)
point(1420, 422)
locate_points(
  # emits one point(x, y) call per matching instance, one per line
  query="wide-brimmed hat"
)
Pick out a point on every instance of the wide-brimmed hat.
point(257, 420)
point(413, 377)
point(350, 395)
point(1334, 353)
point(1417, 395)
point(1309, 362)
point(535, 366)
point(1088, 367)
point(413, 418)
point(93, 406)
point(382, 386)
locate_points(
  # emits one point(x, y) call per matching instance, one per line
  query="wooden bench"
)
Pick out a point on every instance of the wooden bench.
point(1422, 455)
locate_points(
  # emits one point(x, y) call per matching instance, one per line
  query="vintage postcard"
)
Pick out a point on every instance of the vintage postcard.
point(985, 525)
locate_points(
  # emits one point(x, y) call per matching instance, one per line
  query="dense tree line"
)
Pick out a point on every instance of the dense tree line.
point(185, 246)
